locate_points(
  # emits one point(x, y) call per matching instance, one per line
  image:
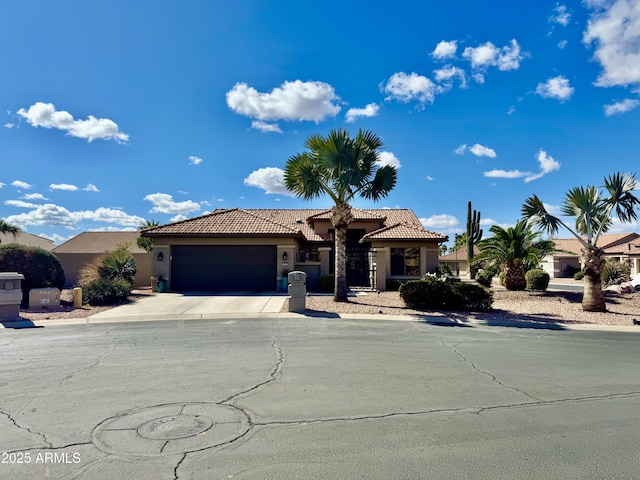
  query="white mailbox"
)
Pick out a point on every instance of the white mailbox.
point(297, 291)
point(10, 295)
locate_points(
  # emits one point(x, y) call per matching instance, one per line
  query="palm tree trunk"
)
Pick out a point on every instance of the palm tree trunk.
point(592, 263)
point(515, 279)
point(341, 217)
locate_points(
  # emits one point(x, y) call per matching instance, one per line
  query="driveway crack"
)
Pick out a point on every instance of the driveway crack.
point(33, 432)
point(273, 375)
point(490, 375)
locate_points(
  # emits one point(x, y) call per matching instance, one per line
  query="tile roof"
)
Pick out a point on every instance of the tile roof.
point(461, 254)
point(284, 222)
point(404, 231)
point(28, 239)
point(99, 242)
point(611, 243)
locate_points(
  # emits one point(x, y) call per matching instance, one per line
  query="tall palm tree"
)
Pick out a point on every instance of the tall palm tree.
point(594, 208)
point(8, 228)
point(342, 168)
point(515, 249)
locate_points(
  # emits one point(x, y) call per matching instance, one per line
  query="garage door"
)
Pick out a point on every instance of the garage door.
point(224, 268)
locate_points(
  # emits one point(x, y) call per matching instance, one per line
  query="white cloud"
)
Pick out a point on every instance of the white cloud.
point(63, 186)
point(292, 101)
point(388, 158)
point(511, 110)
point(269, 179)
point(164, 203)
point(441, 222)
point(488, 55)
point(266, 127)
point(34, 196)
point(2, 184)
point(449, 72)
point(45, 115)
point(547, 165)
point(619, 108)
point(193, 160)
point(556, 87)
point(21, 184)
point(445, 49)
point(55, 215)
point(90, 188)
point(20, 204)
point(562, 44)
point(370, 110)
point(552, 209)
point(405, 88)
point(430, 178)
point(560, 15)
point(9, 125)
point(460, 150)
point(614, 27)
point(178, 218)
point(506, 174)
point(57, 239)
point(482, 151)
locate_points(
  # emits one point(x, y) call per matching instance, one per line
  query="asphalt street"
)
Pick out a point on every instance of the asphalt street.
point(313, 398)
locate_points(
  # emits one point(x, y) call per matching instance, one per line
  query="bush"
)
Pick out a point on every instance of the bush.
point(444, 269)
point(41, 269)
point(578, 275)
point(614, 273)
point(104, 291)
point(393, 285)
point(501, 276)
point(437, 295)
point(537, 279)
point(326, 283)
point(484, 278)
point(119, 264)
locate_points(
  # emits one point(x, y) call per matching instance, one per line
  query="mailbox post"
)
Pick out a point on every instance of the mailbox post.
point(297, 291)
point(10, 295)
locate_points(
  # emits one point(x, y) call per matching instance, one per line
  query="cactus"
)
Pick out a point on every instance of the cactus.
point(474, 235)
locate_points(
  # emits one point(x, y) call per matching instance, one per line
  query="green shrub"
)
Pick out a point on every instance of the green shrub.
point(501, 276)
point(41, 269)
point(106, 292)
point(119, 264)
point(614, 273)
point(437, 295)
point(484, 277)
point(444, 269)
point(326, 283)
point(393, 285)
point(537, 280)
point(578, 275)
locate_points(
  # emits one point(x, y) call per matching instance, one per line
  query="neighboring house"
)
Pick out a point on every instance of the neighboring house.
point(252, 249)
point(457, 260)
point(27, 239)
point(620, 247)
point(82, 249)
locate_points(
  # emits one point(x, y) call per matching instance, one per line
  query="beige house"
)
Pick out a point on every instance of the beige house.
point(27, 239)
point(457, 260)
point(253, 249)
point(620, 247)
point(82, 249)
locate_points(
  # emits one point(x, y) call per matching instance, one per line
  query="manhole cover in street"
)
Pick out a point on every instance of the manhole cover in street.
point(170, 429)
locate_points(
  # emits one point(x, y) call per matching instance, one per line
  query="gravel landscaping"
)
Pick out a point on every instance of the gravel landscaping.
point(552, 306)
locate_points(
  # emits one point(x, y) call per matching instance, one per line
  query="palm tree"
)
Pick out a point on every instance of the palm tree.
point(146, 243)
point(516, 249)
point(342, 168)
point(593, 208)
point(8, 228)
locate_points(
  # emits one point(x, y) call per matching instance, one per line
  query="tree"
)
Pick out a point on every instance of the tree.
point(8, 228)
point(460, 240)
point(593, 208)
point(516, 249)
point(342, 168)
point(146, 243)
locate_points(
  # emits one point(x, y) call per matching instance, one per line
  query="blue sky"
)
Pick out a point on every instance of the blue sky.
point(117, 112)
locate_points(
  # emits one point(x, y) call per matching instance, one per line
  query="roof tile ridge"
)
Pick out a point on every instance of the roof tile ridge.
point(269, 220)
point(217, 211)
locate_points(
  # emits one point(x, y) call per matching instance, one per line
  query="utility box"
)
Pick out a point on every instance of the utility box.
point(10, 295)
point(297, 291)
point(44, 297)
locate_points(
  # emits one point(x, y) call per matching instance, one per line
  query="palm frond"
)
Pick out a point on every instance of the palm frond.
point(536, 213)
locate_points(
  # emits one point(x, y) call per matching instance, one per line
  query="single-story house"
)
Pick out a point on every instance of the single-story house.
point(619, 246)
point(27, 239)
point(82, 249)
point(253, 249)
point(457, 260)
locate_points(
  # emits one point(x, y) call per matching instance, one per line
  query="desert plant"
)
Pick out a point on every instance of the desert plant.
point(444, 269)
point(106, 291)
point(326, 283)
point(431, 294)
point(146, 243)
point(119, 264)
point(537, 280)
point(578, 275)
point(501, 277)
point(41, 268)
point(9, 228)
point(484, 277)
point(614, 273)
point(473, 235)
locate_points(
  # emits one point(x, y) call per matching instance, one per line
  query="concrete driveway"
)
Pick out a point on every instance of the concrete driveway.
point(193, 306)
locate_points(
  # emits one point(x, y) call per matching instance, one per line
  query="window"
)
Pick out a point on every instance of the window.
point(405, 261)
